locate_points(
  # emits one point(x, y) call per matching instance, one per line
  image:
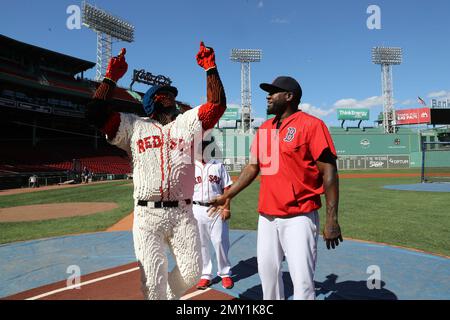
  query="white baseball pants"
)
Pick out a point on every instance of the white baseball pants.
point(153, 231)
point(296, 239)
point(213, 230)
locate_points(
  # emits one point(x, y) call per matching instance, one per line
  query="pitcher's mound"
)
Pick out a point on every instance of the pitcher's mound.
point(53, 211)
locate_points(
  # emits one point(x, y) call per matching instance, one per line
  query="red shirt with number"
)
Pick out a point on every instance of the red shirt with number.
point(291, 183)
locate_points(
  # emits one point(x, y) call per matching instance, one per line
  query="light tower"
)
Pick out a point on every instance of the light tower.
point(387, 56)
point(107, 27)
point(245, 57)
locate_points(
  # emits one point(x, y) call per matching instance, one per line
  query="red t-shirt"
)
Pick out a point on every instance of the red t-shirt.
point(291, 183)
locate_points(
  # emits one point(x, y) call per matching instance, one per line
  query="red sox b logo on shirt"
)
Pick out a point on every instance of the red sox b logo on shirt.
point(290, 134)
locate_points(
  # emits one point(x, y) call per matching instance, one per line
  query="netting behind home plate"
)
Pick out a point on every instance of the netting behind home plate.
point(436, 162)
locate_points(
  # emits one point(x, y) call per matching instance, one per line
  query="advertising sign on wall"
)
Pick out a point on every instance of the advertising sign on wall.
point(231, 114)
point(412, 116)
point(353, 114)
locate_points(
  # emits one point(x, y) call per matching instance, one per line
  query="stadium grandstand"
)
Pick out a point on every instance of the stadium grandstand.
point(43, 131)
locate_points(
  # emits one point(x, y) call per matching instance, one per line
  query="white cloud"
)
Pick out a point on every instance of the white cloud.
point(257, 122)
point(342, 103)
point(408, 102)
point(279, 21)
point(439, 94)
point(260, 4)
point(315, 111)
point(233, 105)
point(353, 103)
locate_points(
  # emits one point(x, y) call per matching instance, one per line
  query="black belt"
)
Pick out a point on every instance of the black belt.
point(162, 204)
point(204, 204)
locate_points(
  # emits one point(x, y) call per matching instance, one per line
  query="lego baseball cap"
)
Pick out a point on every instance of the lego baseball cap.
point(148, 100)
point(282, 84)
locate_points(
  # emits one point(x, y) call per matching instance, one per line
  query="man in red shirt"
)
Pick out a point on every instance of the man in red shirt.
point(295, 155)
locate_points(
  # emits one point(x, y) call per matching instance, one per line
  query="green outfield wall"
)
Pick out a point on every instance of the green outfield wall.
point(357, 148)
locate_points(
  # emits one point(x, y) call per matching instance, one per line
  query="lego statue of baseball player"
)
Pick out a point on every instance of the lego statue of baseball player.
point(211, 180)
point(163, 174)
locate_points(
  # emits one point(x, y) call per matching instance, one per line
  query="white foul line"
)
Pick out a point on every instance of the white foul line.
point(43, 295)
point(81, 284)
point(193, 294)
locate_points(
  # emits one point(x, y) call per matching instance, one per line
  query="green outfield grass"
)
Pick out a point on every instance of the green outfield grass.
point(117, 192)
point(418, 220)
point(381, 171)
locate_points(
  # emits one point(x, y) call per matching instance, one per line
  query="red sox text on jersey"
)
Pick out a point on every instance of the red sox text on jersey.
point(156, 142)
point(211, 179)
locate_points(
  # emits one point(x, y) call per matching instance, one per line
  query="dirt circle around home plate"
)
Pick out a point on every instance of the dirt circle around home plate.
point(53, 211)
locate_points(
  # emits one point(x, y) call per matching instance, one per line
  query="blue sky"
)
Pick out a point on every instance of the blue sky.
point(324, 44)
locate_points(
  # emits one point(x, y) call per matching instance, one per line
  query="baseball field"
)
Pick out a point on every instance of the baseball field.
point(367, 211)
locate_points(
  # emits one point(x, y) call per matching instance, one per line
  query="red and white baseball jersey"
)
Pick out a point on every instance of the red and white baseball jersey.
point(295, 185)
point(211, 179)
point(163, 166)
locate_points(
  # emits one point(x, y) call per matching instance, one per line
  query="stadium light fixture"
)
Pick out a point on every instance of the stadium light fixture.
point(387, 56)
point(107, 27)
point(245, 57)
point(102, 21)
